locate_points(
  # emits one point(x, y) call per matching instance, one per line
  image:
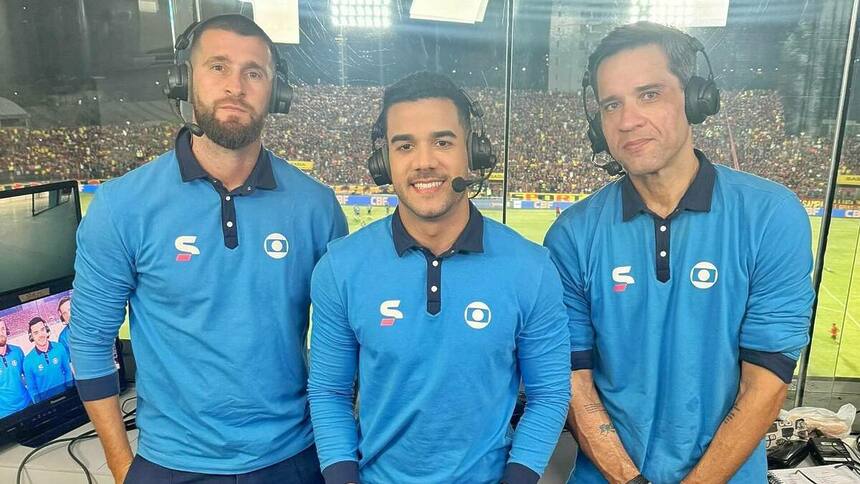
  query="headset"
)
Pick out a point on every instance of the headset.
point(478, 147)
point(179, 86)
point(30, 329)
point(701, 99)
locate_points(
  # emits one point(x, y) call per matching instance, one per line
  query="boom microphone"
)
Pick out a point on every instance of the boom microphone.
point(460, 184)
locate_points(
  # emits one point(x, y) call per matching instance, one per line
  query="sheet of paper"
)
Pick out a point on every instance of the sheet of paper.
point(832, 474)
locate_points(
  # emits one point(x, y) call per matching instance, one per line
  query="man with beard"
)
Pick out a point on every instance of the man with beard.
point(13, 393)
point(46, 366)
point(64, 307)
point(441, 313)
point(199, 243)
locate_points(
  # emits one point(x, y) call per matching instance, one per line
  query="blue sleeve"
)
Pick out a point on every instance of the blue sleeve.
point(104, 279)
point(339, 225)
point(775, 327)
point(331, 386)
point(542, 354)
point(561, 243)
point(68, 376)
point(31, 381)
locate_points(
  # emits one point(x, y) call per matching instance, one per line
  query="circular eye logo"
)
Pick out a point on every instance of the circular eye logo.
point(704, 275)
point(477, 315)
point(276, 246)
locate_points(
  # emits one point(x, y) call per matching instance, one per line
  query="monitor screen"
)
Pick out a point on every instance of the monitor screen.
point(35, 362)
point(39, 225)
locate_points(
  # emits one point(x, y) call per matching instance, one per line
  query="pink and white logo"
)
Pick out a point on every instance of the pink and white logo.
point(389, 312)
point(622, 278)
point(185, 245)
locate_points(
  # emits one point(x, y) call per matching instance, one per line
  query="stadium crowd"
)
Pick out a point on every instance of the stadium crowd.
point(548, 149)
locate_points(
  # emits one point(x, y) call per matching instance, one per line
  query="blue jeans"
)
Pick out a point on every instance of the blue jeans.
point(302, 468)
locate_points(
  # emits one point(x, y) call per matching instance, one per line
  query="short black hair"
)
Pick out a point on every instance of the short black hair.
point(34, 322)
point(680, 48)
point(238, 24)
point(423, 85)
point(63, 300)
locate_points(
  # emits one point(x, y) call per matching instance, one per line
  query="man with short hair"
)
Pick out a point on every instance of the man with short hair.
point(441, 313)
point(13, 392)
point(686, 283)
point(64, 308)
point(46, 366)
point(200, 242)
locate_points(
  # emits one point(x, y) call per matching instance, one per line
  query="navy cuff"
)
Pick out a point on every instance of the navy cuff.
point(519, 474)
point(341, 472)
point(98, 388)
point(778, 363)
point(581, 360)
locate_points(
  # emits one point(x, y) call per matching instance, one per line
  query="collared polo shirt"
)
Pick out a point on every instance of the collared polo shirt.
point(440, 345)
point(664, 310)
point(47, 373)
point(218, 286)
point(13, 393)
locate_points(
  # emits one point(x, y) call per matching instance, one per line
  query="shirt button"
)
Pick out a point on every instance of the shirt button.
point(662, 253)
point(229, 224)
point(435, 263)
point(248, 188)
point(434, 289)
point(662, 228)
point(227, 198)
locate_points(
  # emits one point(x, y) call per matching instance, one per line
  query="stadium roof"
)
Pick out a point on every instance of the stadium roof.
point(9, 109)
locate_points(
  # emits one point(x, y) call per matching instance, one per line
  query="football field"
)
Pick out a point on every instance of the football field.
point(839, 300)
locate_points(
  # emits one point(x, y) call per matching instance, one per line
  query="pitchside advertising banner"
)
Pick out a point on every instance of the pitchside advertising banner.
point(842, 208)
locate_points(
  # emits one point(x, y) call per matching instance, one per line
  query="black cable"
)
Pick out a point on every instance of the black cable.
point(42, 447)
point(130, 424)
point(75, 458)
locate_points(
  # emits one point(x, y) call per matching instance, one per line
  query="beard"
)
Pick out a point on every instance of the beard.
point(228, 134)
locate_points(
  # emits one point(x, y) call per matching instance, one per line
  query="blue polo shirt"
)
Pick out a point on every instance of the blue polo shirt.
point(63, 339)
point(218, 285)
point(47, 373)
point(440, 345)
point(664, 310)
point(13, 393)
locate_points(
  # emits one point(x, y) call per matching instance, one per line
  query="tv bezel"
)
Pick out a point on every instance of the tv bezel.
point(35, 425)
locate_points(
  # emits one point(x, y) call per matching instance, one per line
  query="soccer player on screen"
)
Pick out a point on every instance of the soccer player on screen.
point(46, 367)
point(13, 392)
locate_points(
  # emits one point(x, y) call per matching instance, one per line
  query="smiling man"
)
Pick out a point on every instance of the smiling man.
point(46, 366)
point(200, 243)
point(686, 283)
point(441, 313)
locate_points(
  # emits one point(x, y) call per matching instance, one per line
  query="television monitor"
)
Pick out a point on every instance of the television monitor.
point(38, 398)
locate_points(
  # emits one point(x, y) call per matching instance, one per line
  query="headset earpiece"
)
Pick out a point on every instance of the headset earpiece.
point(478, 146)
point(179, 75)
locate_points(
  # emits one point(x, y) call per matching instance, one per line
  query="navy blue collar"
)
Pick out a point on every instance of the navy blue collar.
point(261, 176)
point(50, 347)
point(697, 198)
point(471, 239)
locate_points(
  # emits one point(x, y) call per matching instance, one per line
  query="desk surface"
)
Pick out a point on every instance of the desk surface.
point(53, 465)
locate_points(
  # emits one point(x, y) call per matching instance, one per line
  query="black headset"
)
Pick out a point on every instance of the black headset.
point(701, 99)
point(30, 330)
point(478, 146)
point(179, 75)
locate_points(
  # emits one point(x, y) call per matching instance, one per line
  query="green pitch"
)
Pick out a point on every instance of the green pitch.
point(838, 303)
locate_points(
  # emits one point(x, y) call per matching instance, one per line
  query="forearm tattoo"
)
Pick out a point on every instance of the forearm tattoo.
point(607, 428)
point(732, 414)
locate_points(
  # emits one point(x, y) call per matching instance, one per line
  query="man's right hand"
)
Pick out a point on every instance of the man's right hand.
point(107, 419)
point(121, 472)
